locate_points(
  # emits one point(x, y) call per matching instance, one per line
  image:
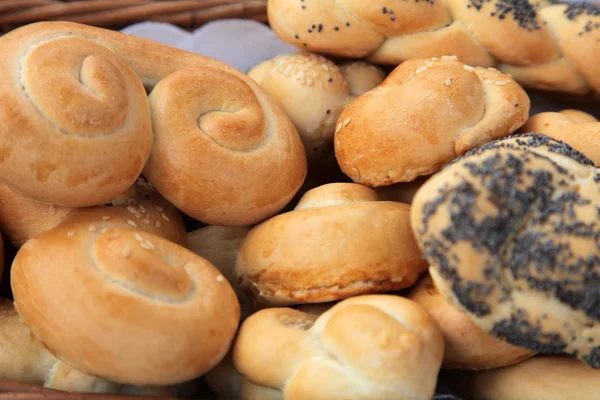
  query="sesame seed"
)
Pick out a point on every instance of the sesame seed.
point(92, 228)
point(51, 209)
point(429, 63)
point(338, 128)
point(106, 218)
point(131, 210)
point(104, 230)
point(164, 217)
point(501, 83)
point(448, 82)
point(149, 243)
point(142, 208)
point(434, 58)
point(144, 246)
point(468, 67)
point(420, 69)
point(145, 221)
point(347, 121)
point(325, 67)
point(489, 81)
point(138, 214)
point(159, 208)
point(70, 233)
point(130, 222)
point(157, 224)
point(126, 251)
point(220, 278)
point(412, 75)
point(453, 58)
point(138, 237)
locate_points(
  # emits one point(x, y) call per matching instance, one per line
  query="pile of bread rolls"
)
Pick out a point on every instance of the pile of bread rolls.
point(314, 228)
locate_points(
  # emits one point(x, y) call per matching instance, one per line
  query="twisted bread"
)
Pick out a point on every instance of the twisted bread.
point(76, 126)
point(24, 359)
point(511, 232)
point(313, 92)
point(123, 304)
point(467, 347)
point(141, 206)
point(338, 242)
point(578, 129)
point(544, 46)
point(366, 347)
point(539, 378)
point(392, 133)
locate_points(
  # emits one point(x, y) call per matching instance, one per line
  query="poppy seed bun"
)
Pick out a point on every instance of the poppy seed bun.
point(338, 242)
point(511, 232)
point(126, 305)
point(390, 133)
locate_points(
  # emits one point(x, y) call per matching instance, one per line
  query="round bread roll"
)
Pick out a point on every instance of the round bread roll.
point(24, 359)
point(220, 246)
point(576, 128)
point(366, 347)
point(141, 207)
point(77, 128)
point(467, 347)
point(544, 45)
point(511, 232)
point(313, 91)
point(338, 242)
point(391, 134)
point(123, 304)
point(539, 378)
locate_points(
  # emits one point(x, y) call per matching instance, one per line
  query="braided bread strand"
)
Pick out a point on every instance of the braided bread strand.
point(544, 46)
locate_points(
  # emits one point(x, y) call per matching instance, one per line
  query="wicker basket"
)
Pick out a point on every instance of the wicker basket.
point(115, 14)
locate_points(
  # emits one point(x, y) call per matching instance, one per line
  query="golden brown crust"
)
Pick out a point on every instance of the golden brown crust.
point(166, 315)
point(22, 218)
point(466, 347)
point(578, 129)
point(544, 45)
point(510, 232)
point(336, 244)
point(313, 92)
point(390, 134)
point(376, 346)
point(84, 128)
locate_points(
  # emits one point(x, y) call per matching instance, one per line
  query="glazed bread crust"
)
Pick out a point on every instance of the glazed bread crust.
point(366, 347)
point(313, 91)
point(125, 305)
point(510, 232)
point(338, 242)
point(391, 134)
point(543, 45)
point(74, 109)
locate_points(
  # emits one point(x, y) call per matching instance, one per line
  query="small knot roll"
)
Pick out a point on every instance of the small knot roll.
point(510, 232)
point(391, 134)
point(123, 304)
point(576, 128)
point(467, 347)
point(313, 91)
point(366, 347)
point(236, 162)
point(140, 207)
point(74, 122)
point(339, 242)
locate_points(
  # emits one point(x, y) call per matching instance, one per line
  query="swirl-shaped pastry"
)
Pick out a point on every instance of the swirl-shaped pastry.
point(313, 91)
point(511, 233)
point(422, 116)
point(76, 126)
point(338, 242)
point(123, 304)
point(366, 347)
point(544, 45)
point(140, 207)
point(576, 128)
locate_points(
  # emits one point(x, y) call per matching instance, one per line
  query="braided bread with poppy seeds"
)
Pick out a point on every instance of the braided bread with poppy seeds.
point(511, 232)
point(543, 45)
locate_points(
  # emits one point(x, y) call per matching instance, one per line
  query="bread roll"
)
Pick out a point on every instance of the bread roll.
point(366, 347)
point(544, 45)
point(467, 347)
point(123, 304)
point(578, 129)
point(220, 246)
point(141, 206)
point(510, 232)
point(426, 113)
point(24, 359)
point(77, 128)
point(338, 242)
point(539, 378)
point(224, 379)
point(313, 92)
